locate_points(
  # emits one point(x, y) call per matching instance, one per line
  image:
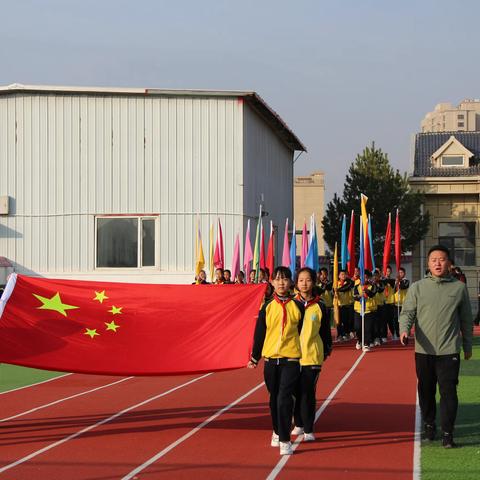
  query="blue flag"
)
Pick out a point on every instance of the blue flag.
point(370, 239)
point(293, 251)
point(345, 257)
point(312, 257)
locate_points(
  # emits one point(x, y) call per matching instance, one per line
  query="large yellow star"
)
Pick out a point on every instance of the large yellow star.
point(54, 303)
point(91, 332)
point(115, 310)
point(100, 296)
point(112, 326)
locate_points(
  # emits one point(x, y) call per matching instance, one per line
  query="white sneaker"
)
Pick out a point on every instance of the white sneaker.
point(377, 342)
point(308, 437)
point(366, 348)
point(384, 340)
point(275, 440)
point(286, 448)
point(352, 335)
point(371, 345)
point(345, 338)
point(297, 431)
point(358, 346)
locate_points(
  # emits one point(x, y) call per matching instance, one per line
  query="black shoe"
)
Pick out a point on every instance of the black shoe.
point(430, 432)
point(447, 441)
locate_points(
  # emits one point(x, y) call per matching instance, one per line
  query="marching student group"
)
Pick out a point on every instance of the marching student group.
point(293, 335)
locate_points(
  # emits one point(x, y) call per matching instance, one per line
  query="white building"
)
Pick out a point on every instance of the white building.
point(106, 183)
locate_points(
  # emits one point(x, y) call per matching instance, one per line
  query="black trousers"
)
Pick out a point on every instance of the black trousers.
point(441, 369)
point(281, 377)
point(369, 319)
point(391, 315)
point(305, 399)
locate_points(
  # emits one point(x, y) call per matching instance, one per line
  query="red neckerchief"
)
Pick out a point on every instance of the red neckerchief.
point(307, 303)
point(284, 309)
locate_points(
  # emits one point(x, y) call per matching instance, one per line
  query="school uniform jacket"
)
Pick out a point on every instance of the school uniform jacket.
point(326, 293)
point(389, 291)
point(344, 291)
point(277, 332)
point(368, 292)
point(315, 337)
point(401, 292)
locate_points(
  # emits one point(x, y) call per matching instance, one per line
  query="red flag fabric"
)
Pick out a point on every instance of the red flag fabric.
point(218, 256)
point(127, 329)
point(398, 244)
point(351, 247)
point(270, 253)
point(388, 245)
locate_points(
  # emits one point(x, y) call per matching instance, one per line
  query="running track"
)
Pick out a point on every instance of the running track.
point(213, 426)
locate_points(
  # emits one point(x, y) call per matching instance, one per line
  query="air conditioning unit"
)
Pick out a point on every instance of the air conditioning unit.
point(4, 205)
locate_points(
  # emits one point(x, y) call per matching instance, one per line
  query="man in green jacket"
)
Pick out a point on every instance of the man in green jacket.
point(439, 307)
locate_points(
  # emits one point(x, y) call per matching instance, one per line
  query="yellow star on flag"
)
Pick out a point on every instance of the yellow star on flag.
point(112, 326)
point(91, 332)
point(115, 310)
point(54, 303)
point(100, 296)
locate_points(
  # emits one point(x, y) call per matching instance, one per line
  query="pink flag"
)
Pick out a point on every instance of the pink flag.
point(270, 253)
point(218, 257)
point(248, 254)
point(304, 252)
point(236, 258)
point(286, 248)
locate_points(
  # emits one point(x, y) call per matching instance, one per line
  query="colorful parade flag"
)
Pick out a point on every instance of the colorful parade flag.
point(199, 256)
point(351, 246)
point(367, 262)
point(336, 307)
point(236, 258)
point(388, 245)
point(344, 247)
point(211, 265)
point(361, 267)
point(248, 254)
point(270, 263)
point(398, 244)
point(311, 260)
point(126, 329)
point(293, 251)
point(218, 256)
point(286, 248)
point(304, 251)
point(370, 243)
point(256, 248)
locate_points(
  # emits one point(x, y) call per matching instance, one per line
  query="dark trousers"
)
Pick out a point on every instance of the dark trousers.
point(346, 320)
point(441, 369)
point(378, 326)
point(368, 321)
point(281, 377)
point(305, 399)
point(391, 315)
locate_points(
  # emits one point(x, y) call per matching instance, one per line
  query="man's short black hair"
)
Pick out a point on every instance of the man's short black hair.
point(440, 248)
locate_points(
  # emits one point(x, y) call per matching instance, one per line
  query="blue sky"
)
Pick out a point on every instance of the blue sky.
point(341, 74)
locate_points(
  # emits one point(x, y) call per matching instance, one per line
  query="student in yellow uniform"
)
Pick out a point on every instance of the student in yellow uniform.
point(344, 287)
point(401, 289)
point(366, 293)
point(277, 340)
point(325, 291)
point(389, 311)
point(316, 345)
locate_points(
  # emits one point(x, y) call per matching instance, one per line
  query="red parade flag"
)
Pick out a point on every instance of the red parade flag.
point(263, 262)
point(127, 329)
point(351, 247)
point(218, 256)
point(398, 244)
point(388, 245)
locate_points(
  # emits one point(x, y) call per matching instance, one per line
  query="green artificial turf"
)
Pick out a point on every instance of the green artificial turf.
point(12, 376)
point(460, 463)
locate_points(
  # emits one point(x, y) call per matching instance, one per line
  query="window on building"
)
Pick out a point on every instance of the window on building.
point(460, 116)
point(461, 124)
point(125, 242)
point(459, 238)
point(452, 161)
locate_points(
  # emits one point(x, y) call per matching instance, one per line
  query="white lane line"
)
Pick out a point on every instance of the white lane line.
point(35, 384)
point(91, 427)
point(417, 467)
point(189, 434)
point(60, 400)
point(282, 462)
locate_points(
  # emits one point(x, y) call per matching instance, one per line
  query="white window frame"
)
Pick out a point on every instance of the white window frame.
point(139, 266)
point(452, 166)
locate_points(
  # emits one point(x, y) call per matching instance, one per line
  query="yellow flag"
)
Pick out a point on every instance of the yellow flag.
point(199, 257)
point(363, 206)
point(336, 308)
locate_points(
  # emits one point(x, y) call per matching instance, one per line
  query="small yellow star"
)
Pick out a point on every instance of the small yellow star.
point(100, 296)
point(91, 332)
point(115, 310)
point(112, 326)
point(54, 303)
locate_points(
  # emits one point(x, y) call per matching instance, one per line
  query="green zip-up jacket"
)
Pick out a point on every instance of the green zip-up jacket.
point(440, 309)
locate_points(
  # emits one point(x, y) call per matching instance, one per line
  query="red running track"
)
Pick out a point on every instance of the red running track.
point(365, 432)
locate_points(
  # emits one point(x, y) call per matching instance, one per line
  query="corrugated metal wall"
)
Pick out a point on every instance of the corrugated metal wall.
point(66, 158)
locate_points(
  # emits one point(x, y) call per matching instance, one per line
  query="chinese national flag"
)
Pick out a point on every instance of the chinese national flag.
point(127, 329)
